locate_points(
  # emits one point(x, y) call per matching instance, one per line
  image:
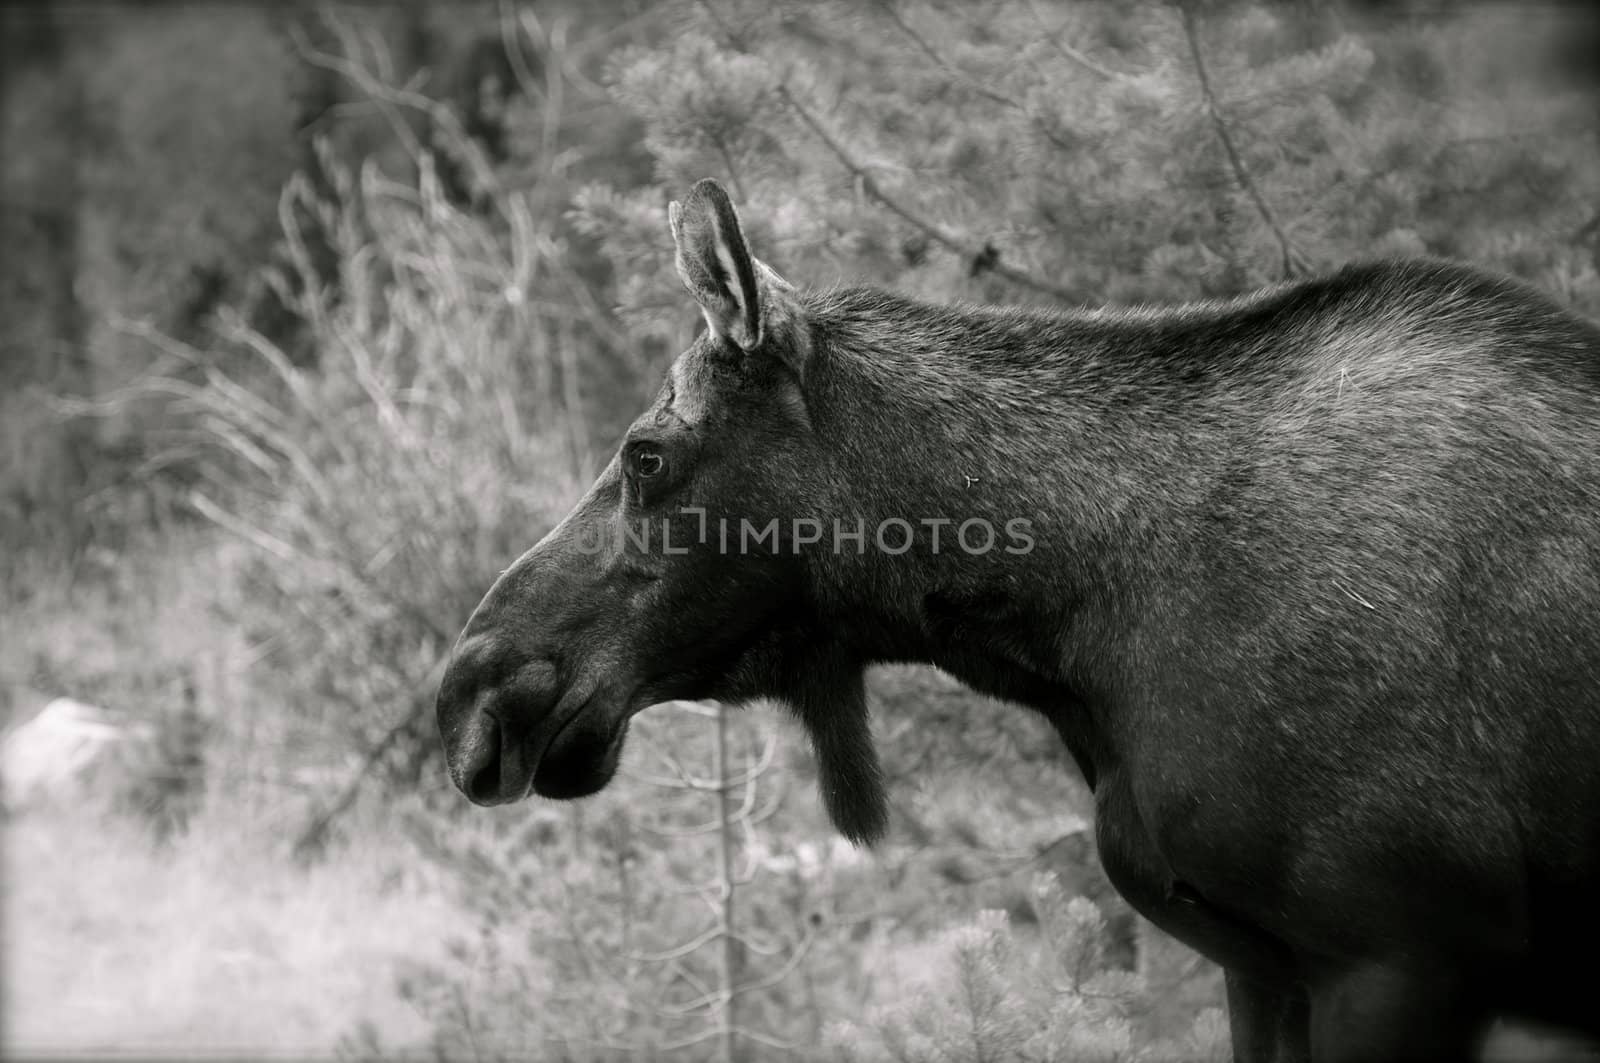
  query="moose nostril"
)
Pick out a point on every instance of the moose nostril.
point(475, 748)
point(484, 784)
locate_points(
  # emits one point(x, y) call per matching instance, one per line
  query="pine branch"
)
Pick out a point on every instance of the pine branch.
point(1292, 261)
point(1053, 38)
point(968, 250)
point(943, 63)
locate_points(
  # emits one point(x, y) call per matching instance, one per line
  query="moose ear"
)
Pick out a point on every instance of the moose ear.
point(736, 291)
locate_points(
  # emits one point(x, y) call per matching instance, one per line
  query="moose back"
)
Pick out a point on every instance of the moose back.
point(1307, 581)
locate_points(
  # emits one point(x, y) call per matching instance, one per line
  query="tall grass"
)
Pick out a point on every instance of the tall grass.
point(381, 488)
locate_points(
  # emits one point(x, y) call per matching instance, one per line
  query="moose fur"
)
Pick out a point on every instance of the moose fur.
point(1308, 582)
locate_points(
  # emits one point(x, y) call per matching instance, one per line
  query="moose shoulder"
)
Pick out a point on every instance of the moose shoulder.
point(1307, 581)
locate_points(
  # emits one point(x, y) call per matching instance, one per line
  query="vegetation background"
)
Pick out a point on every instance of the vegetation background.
point(313, 317)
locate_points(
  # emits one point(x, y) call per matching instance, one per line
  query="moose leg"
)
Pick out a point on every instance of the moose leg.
point(1268, 1023)
point(1380, 1013)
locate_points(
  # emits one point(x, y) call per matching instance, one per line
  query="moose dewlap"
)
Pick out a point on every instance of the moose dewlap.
point(1311, 591)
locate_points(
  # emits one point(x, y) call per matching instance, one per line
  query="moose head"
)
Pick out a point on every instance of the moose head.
point(696, 565)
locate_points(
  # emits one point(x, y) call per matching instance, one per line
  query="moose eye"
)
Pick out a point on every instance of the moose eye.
point(648, 463)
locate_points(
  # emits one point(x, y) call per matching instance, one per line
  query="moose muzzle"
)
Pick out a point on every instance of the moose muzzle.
point(495, 718)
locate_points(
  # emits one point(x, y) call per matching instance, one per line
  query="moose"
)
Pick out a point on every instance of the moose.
point(1307, 581)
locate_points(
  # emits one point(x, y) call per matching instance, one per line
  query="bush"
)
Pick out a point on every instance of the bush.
point(987, 992)
point(385, 487)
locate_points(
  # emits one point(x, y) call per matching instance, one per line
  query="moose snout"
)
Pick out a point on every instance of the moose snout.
point(489, 713)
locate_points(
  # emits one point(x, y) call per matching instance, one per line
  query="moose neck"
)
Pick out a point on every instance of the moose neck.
point(1101, 432)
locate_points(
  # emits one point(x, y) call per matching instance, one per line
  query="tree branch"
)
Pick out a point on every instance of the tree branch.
point(943, 63)
point(1292, 261)
point(968, 250)
point(315, 831)
point(728, 973)
point(1053, 38)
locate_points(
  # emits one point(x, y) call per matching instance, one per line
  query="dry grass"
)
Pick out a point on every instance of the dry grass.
point(213, 945)
point(213, 941)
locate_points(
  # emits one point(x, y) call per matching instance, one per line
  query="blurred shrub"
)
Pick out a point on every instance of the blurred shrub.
point(1094, 152)
point(986, 991)
point(385, 487)
point(135, 633)
point(145, 147)
point(167, 786)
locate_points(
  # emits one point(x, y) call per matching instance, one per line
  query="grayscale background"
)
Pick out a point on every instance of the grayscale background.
point(313, 318)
